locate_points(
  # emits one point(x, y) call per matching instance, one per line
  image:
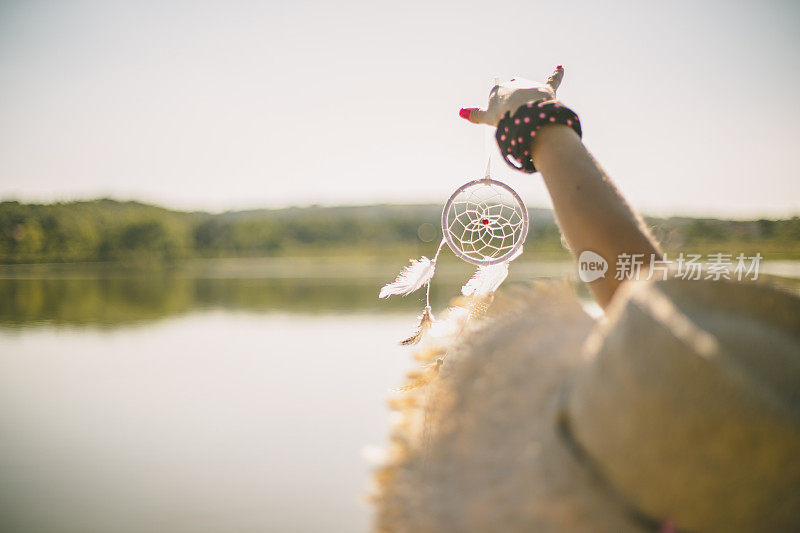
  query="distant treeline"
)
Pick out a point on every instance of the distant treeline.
point(109, 230)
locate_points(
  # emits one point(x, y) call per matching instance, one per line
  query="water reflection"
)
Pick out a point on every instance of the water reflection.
point(110, 301)
point(107, 296)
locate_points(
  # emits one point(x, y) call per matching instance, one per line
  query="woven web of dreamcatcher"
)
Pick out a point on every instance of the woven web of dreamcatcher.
point(485, 222)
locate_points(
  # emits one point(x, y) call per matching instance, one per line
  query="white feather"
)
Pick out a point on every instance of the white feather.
point(485, 280)
point(488, 279)
point(414, 276)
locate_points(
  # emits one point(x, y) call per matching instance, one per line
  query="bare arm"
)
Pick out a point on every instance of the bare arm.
point(590, 210)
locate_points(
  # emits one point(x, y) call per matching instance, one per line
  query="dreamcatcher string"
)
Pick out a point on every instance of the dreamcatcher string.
point(428, 287)
point(488, 139)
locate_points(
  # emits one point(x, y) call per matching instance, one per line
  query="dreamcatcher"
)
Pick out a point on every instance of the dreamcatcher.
point(484, 222)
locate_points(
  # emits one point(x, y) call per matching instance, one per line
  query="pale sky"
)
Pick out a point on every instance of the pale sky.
point(692, 107)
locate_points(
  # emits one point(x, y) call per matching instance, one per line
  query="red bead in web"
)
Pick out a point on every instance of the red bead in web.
point(485, 221)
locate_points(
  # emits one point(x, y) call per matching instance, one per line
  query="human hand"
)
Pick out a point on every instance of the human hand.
point(507, 98)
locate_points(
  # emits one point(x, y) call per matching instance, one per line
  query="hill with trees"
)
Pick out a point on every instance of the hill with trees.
point(131, 232)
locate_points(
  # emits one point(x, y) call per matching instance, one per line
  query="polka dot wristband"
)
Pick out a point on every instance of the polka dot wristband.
point(515, 132)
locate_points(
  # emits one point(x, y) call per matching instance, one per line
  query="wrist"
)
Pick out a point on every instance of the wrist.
point(517, 132)
point(547, 141)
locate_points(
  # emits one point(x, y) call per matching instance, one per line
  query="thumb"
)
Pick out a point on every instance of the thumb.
point(555, 78)
point(475, 115)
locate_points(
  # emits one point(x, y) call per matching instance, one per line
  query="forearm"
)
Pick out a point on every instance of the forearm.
point(590, 210)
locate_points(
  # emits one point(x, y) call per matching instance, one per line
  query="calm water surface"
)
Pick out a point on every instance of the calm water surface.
point(213, 421)
point(161, 403)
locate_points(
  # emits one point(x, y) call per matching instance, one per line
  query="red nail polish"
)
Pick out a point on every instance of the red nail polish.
point(560, 67)
point(464, 113)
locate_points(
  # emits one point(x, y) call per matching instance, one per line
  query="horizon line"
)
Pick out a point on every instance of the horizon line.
point(316, 205)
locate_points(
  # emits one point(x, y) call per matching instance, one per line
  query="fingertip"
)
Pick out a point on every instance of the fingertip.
point(465, 112)
point(555, 78)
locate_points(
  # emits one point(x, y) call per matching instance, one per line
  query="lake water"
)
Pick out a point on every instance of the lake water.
point(210, 398)
point(207, 398)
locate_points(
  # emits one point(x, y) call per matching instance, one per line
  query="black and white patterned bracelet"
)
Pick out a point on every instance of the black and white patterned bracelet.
point(515, 132)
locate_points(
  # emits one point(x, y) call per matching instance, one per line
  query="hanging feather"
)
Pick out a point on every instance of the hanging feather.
point(425, 321)
point(414, 276)
point(487, 279)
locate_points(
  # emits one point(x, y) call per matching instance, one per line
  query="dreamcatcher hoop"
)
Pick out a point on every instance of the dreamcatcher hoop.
point(484, 220)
